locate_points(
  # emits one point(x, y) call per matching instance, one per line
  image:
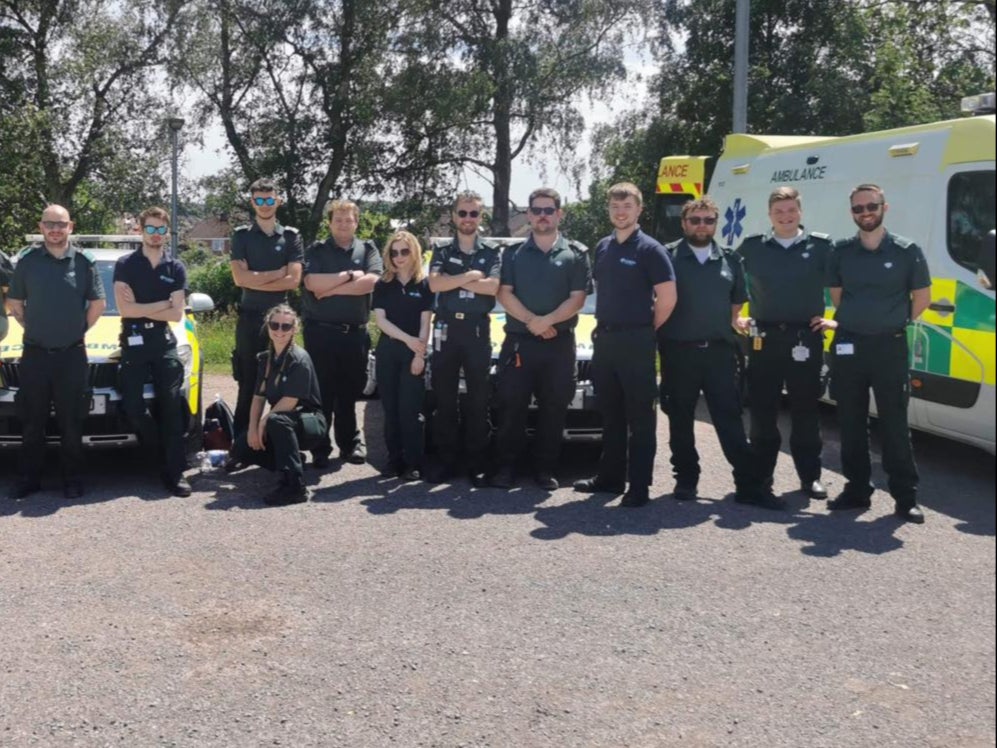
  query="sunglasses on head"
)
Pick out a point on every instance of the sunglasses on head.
point(867, 208)
point(50, 225)
point(268, 201)
point(161, 230)
point(468, 213)
point(543, 211)
point(696, 220)
point(404, 252)
point(280, 326)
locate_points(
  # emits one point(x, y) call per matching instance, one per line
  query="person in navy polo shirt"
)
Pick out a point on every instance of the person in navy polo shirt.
point(150, 290)
point(636, 295)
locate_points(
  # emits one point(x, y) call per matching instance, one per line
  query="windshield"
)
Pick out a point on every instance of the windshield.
point(106, 270)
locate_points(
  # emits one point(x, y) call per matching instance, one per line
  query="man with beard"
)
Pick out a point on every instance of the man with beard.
point(465, 274)
point(697, 350)
point(543, 285)
point(266, 263)
point(879, 284)
point(636, 286)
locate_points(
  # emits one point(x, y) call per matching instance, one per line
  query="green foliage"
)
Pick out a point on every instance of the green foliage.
point(588, 220)
point(215, 279)
point(216, 334)
point(21, 186)
point(196, 256)
point(376, 226)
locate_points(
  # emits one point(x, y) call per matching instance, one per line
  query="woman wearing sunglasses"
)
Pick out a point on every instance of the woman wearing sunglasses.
point(402, 302)
point(286, 381)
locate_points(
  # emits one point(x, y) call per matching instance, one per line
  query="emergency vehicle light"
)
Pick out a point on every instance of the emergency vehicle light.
point(742, 169)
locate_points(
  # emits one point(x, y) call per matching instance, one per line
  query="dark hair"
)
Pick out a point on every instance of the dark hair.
point(263, 184)
point(623, 190)
point(868, 187)
point(549, 192)
point(154, 212)
point(703, 203)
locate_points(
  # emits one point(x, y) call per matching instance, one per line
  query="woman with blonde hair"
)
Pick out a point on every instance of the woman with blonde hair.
point(402, 303)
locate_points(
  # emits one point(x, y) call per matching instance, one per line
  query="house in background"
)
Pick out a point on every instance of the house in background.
point(212, 233)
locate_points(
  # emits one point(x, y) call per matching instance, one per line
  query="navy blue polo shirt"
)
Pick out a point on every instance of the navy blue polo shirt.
point(542, 281)
point(326, 257)
point(262, 252)
point(292, 374)
point(706, 293)
point(876, 283)
point(785, 284)
point(625, 276)
point(403, 305)
point(451, 260)
point(150, 284)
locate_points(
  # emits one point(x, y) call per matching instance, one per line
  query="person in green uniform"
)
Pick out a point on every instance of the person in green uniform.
point(150, 291)
point(879, 283)
point(786, 270)
point(56, 295)
point(286, 382)
point(544, 281)
point(340, 274)
point(266, 263)
point(402, 302)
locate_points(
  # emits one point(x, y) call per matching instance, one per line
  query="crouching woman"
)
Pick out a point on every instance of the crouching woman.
point(286, 381)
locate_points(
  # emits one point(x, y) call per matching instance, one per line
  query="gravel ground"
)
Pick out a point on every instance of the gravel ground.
point(385, 614)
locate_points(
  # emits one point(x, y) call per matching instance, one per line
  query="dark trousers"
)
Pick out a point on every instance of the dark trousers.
point(167, 437)
point(625, 388)
point(531, 367)
point(250, 339)
point(768, 370)
point(468, 347)
point(286, 435)
point(685, 372)
point(879, 363)
point(340, 359)
point(59, 377)
point(402, 394)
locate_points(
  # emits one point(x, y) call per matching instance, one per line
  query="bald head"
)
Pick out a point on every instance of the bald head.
point(56, 226)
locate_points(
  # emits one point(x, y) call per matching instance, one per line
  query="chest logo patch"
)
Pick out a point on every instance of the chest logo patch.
point(628, 262)
point(455, 261)
point(805, 255)
point(887, 265)
point(558, 263)
point(165, 279)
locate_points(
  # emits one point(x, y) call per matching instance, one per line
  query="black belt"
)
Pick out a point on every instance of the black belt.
point(462, 316)
point(343, 327)
point(697, 343)
point(784, 326)
point(620, 328)
point(530, 336)
point(36, 347)
point(152, 325)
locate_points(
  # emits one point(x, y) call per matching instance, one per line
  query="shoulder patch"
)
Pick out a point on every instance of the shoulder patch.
point(243, 227)
point(821, 236)
point(672, 246)
point(27, 250)
point(902, 241)
point(842, 243)
point(487, 244)
point(370, 244)
point(578, 247)
point(292, 229)
point(88, 256)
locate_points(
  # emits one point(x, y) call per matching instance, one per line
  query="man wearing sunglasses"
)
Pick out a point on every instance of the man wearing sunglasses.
point(150, 288)
point(698, 355)
point(879, 283)
point(340, 274)
point(543, 285)
point(56, 295)
point(465, 274)
point(786, 271)
point(266, 262)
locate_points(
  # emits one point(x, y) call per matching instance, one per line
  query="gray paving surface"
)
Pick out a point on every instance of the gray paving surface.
point(385, 614)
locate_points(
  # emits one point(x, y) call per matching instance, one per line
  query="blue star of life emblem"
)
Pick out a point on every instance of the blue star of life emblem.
point(734, 215)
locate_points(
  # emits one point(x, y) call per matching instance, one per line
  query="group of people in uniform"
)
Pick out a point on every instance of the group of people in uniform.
point(682, 302)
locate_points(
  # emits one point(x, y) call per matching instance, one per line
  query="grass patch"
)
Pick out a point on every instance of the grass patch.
point(217, 337)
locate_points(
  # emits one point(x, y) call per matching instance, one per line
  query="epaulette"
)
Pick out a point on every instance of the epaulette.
point(487, 244)
point(752, 236)
point(578, 247)
point(87, 255)
point(672, 246)
point(27, 250)
point(902, 241)
point(821, 236)
point(370, 244)
point(290, 228)
point(243, 227)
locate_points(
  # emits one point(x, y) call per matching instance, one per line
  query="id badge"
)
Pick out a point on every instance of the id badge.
point(134, 340)
point(844, 349)
point(801, 353)
point(756, 343)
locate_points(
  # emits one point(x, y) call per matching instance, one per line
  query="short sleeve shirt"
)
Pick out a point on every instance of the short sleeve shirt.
point(450, 260)
point(876, 284)
point(56, 293)
point(148, 283)
point(291, 375)
point(542, 281)
point(403, 305)
point(785, 284)
point(625, 276)
point(326, 257)
point(706, 292)
point(263, 252)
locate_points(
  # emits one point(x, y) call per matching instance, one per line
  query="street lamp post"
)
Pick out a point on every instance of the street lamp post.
point(741, 30)
point(175, 124)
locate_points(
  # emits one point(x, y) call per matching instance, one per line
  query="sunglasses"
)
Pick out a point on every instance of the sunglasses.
point(468, 213)
point(50, 225)
point(867, 208)
point(161, 230)
point(280, 326)
point(543, 211)
point(268, 201)
point(400, 252)
point(696, 220)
